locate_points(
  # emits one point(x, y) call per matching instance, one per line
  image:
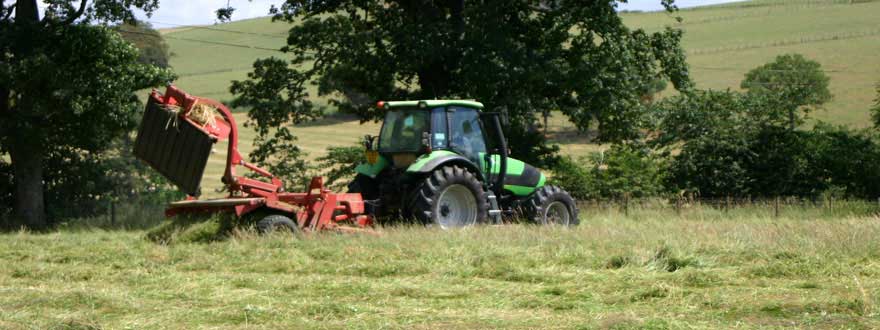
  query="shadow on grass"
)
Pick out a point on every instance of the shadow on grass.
point(330, 120)
point(199, 228)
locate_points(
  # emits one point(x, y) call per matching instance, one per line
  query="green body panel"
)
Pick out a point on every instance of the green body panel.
point(424, 159)
point(515, 168)
point(372, 170)
point(520, 178)
point(430, 104)
point(525, 190)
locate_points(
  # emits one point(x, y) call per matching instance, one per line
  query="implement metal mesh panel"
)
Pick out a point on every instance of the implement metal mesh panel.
point(173, 147)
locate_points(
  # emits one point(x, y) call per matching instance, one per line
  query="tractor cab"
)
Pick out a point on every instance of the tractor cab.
point(414, 129)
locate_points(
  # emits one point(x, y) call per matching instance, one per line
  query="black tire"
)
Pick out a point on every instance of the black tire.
point(545, 205)
point(276, 222)
point(434, 200)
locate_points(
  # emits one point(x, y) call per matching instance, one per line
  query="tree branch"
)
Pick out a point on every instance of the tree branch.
point(79, 12)
point(9, 12)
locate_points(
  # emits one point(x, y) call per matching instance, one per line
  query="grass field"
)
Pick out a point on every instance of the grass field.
point(705, 269)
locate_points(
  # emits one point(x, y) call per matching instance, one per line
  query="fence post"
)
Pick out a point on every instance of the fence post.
point(678, 205)
point(626, 204)
point(776, 207)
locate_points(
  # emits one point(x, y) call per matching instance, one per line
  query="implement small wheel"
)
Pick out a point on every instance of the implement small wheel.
point(276, 222)
point(551, 205)
point(450, 197)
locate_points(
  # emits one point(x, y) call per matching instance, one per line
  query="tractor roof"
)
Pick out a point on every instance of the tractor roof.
point(430, 104)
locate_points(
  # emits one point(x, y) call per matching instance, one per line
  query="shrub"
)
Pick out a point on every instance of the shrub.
point(621, 170)
point(580, 181)
point(775, 161)
point(712, 166)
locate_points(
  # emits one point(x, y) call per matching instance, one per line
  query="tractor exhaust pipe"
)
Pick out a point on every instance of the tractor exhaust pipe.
point(502, 171)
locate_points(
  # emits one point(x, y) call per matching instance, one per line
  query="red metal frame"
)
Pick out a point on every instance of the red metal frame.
point(316, 209)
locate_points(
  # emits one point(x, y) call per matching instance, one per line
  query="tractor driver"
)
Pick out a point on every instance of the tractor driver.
point(464, 142)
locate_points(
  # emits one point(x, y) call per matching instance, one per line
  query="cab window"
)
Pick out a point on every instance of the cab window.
point(440, 137)
point(403, 131)
point(467, 134)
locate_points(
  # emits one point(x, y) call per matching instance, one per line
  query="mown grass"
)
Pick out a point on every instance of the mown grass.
point(808, 268)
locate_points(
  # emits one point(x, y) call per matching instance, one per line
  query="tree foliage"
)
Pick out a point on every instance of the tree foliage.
point(725, 146)
point(338, 165)
point(629, 170)
point(276, 97)
point(66, 90)
point(791, 86)
point(519, 57)
point(697, 114)
point(152, 48)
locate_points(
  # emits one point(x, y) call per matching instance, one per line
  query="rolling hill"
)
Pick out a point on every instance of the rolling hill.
point(723, 43)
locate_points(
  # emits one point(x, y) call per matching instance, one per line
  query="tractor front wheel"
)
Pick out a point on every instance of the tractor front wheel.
point(551, 205)
point(276, 222)
point(450, 197)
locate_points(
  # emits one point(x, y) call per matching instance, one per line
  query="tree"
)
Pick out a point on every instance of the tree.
point(151, 46)
point(696, 114)
point(520, 57)
point(791, 86)
point(66, 87)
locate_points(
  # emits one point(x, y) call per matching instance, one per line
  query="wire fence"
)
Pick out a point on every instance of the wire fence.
point(765, 206)
point(787, 42)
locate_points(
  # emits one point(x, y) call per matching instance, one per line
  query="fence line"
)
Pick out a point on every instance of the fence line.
point(776, 205)
point(787, 42)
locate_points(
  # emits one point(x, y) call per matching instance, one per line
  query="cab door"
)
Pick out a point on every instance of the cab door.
point(466, 135)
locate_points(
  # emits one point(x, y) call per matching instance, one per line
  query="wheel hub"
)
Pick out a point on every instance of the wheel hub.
point(456, 207)
point(557, 214)
point(444, 210)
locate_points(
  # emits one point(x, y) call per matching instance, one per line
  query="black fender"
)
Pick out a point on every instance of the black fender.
point(439, 161)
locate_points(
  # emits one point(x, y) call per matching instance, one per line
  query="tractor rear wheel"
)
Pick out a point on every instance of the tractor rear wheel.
point(551, 205)
point(276, 222)
point(450, 197)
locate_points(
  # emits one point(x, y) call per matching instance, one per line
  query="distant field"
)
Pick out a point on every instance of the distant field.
point(723, 43)
point(705, 270)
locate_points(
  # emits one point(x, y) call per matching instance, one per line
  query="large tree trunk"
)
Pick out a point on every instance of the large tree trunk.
point(26, 152)
point(27, 11)
point(30, 208)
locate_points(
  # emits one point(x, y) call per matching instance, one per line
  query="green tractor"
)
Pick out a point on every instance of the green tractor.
point(445, 162)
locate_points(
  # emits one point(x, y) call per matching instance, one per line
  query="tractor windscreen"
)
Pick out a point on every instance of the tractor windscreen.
point(403, 130)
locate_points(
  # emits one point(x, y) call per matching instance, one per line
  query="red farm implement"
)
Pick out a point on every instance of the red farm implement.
point(176, 143)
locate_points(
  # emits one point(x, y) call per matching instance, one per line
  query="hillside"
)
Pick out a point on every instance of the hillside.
point(723, 43)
